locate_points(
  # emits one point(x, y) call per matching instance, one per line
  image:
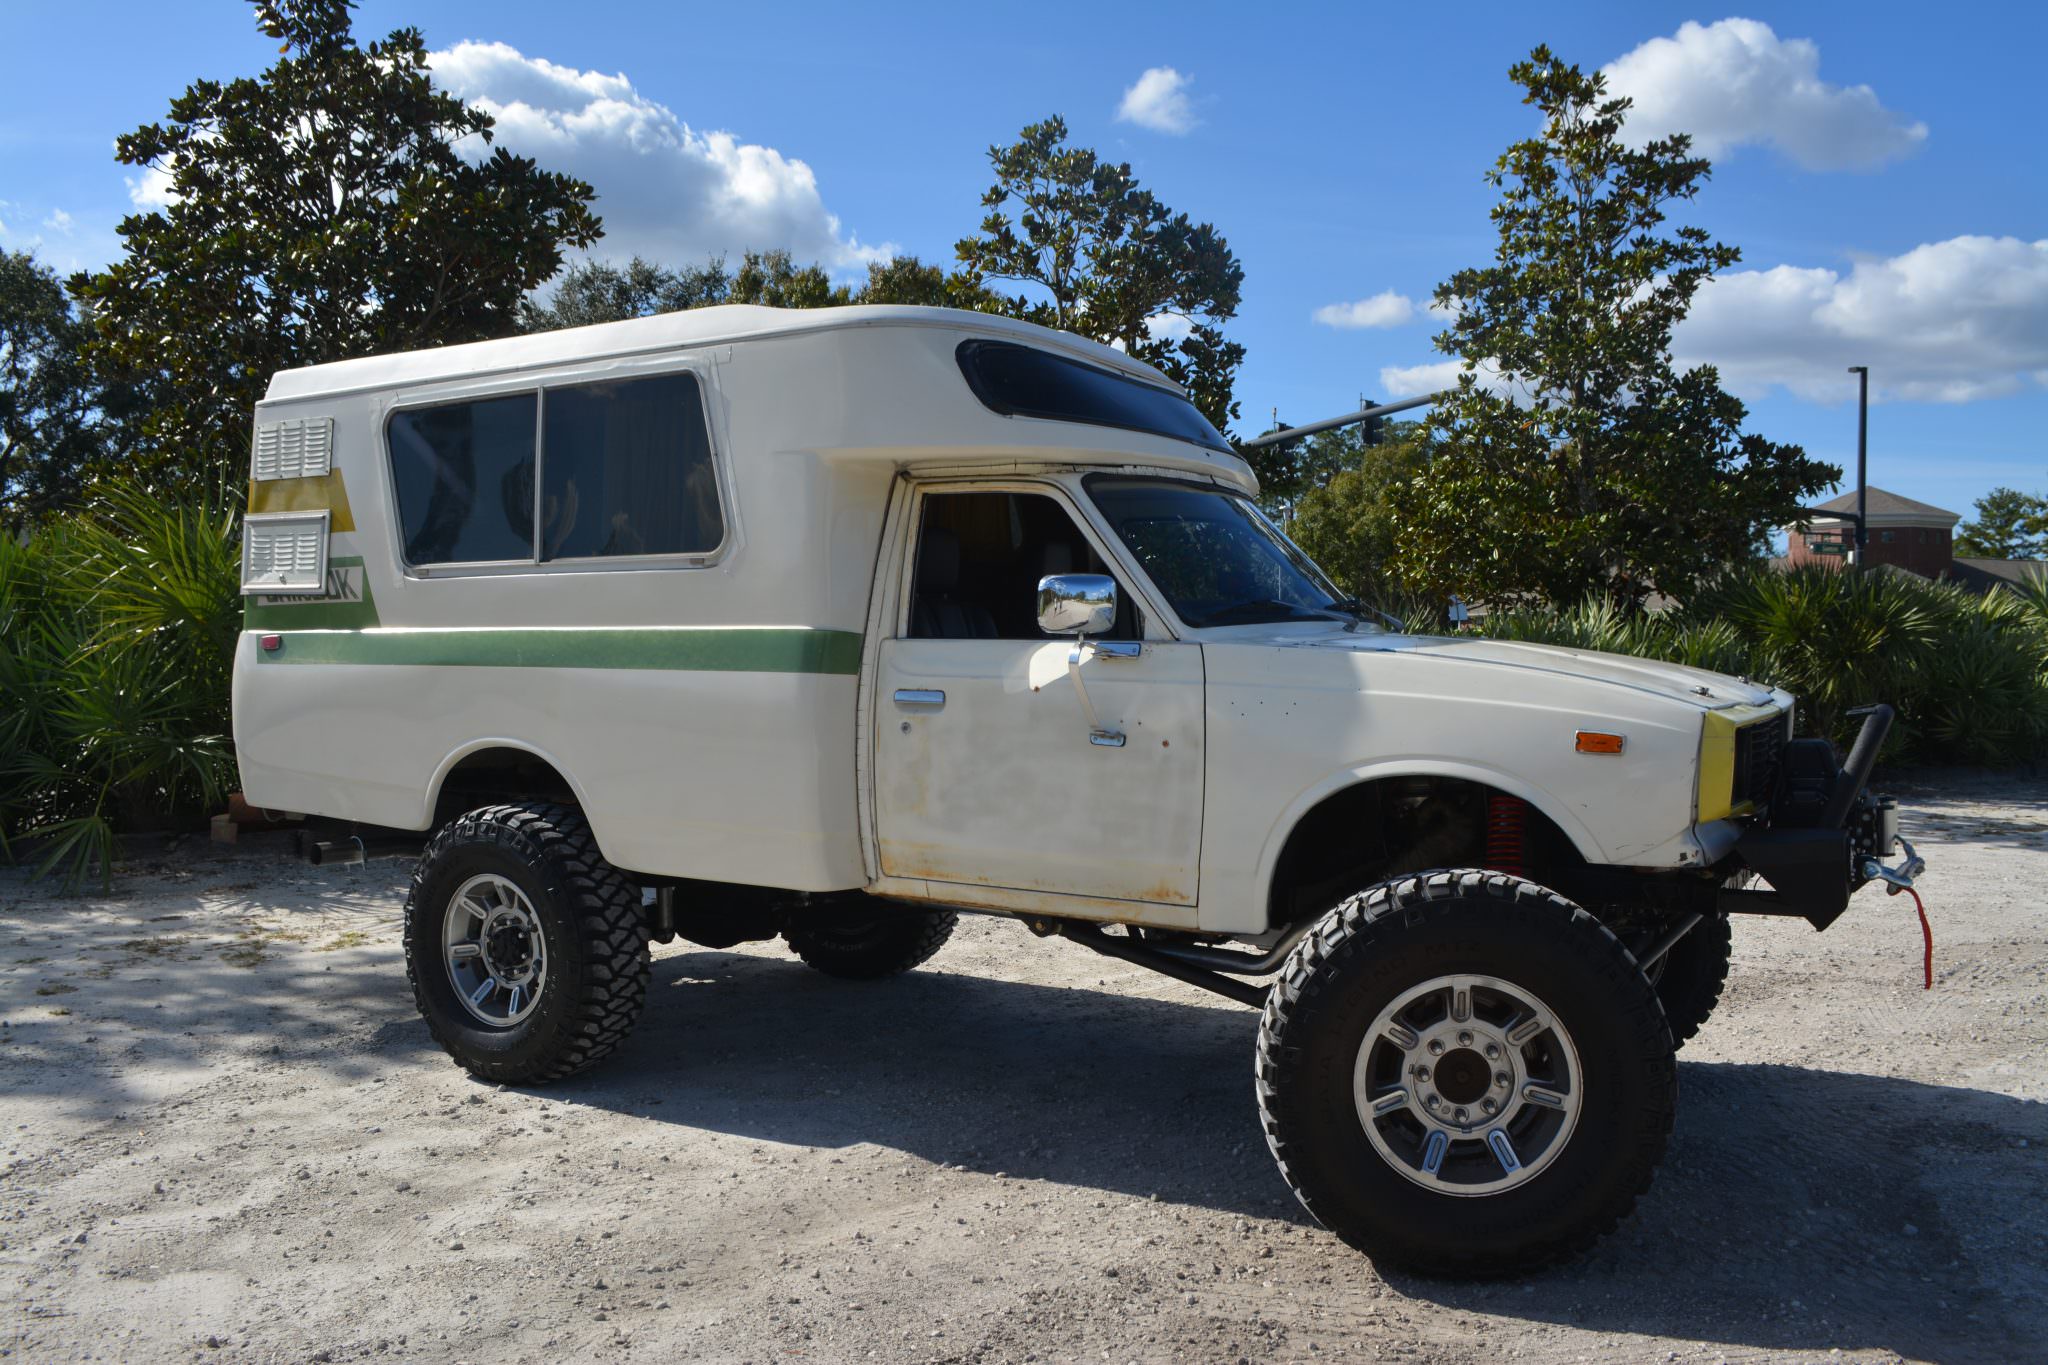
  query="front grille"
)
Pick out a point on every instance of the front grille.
point(1758, 748)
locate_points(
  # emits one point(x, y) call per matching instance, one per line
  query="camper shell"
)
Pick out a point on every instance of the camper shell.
point(829, 624)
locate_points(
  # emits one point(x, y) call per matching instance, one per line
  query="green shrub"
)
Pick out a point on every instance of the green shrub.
point(117, 634)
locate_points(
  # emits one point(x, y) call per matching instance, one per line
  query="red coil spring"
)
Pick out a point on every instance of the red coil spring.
point(1506, 831)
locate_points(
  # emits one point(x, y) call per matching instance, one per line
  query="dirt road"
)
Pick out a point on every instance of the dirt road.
point(228, 1137)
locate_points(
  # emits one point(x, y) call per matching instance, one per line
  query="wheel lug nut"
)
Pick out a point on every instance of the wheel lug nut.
point(1464, 1040)
point(1488, 1105)
point(1460, 1116)
point(1421, 1073)
point(1500, 1078)
point(1492, 1053)
point(1432, 1102)
point(1436, 1047)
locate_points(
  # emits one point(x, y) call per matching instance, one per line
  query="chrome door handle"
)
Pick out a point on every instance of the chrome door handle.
point(925, 698)
point(1117, 649)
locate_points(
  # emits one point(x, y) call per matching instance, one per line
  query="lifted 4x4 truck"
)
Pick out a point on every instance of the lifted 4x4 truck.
point(831, 624)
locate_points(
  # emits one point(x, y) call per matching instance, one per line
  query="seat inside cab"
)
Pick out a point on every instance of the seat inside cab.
point(980, 557)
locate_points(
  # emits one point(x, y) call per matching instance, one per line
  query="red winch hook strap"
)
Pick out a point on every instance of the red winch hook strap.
point(1926, 937)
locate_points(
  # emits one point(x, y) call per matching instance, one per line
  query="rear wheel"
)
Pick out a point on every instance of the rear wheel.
point(1462, 1073)
point(862, 939)
point(525, 949)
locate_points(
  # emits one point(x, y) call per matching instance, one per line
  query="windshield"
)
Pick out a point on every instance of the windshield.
point(1214, 555)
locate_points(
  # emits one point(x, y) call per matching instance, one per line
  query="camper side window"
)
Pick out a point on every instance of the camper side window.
point(464, 477)
point(626, 470)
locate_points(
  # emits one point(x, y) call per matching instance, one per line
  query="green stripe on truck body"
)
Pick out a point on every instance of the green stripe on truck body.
point(726, 649)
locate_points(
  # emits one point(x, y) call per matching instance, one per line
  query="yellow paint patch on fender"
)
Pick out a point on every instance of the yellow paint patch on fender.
point(327, 492)
point(1717, 761)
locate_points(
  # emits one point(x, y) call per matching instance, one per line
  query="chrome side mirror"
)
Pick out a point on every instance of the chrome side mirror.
point(1076, 603)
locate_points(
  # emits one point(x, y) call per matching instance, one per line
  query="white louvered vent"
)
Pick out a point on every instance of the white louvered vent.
point(299, 449)
point(284, 552)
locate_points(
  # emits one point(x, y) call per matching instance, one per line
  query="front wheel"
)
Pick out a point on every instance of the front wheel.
point(525, 948)
point(1462, 1073)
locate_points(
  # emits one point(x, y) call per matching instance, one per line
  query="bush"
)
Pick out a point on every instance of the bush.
point(117, 636)
point(1968, 674)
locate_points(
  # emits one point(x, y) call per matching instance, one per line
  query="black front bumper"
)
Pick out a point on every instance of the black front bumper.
point(1812, 867)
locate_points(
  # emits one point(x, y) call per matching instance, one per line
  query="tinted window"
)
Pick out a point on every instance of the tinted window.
point(464, 475)
point(1019, 381)
point(980, 556)
point(626, 470)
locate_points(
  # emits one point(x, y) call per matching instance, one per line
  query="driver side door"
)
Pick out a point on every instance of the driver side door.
point(985, 772)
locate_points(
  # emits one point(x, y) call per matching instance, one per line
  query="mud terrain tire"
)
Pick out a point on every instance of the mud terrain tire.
point(1690, 978)
point(538, 868)
point(867, 940)
point(1584, 1113)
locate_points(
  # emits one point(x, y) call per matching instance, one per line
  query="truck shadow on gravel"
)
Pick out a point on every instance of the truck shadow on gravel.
point(1798, 1209)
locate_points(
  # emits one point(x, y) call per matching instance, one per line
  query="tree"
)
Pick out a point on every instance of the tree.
point(593, 291)
point(2009, 525)
point(1290, 470)
point(1348, 525)
point(51, 426)
point(596, 291)
point(1109, 261)
point(323, 210)
point(906, 279)
point(1573, 459)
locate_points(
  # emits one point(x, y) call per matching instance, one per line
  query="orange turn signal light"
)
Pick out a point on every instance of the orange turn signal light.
point(1599, 742)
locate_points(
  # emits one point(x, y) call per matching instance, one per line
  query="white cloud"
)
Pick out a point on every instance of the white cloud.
point(1947, 322)
point(1168, 327)
point(1385, 309)
point(150, 190)
point(1159, 101)
point(665, 190)
point(1736, 82)
point(1412, 381)
point(57, 243)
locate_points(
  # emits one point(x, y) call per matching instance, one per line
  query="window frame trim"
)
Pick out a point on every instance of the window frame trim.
point(467, 391)
point(1156, 624)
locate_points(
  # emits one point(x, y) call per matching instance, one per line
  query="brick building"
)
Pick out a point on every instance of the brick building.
point(1915, 536)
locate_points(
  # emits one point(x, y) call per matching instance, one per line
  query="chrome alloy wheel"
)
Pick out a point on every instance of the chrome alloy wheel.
point(493, 947)
point(1467, 1085)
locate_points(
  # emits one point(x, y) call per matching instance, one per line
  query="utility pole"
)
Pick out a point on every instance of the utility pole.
point(1862, 373)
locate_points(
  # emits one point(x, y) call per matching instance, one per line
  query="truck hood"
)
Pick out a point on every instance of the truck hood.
point(1696, 686)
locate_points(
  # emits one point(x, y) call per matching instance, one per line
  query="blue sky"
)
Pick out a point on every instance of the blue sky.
point(1882, 174)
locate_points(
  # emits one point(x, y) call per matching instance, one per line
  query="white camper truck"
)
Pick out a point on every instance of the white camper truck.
point(739, 623)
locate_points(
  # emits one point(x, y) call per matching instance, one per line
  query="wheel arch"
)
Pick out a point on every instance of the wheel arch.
point(1279, 859)
point(497, 769)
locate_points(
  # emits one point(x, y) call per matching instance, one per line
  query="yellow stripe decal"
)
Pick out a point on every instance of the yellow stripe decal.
point(305, 495)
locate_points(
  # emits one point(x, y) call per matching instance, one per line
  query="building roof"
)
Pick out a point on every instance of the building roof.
point(1984, 574)
point(695, 327)
point(1886, 508)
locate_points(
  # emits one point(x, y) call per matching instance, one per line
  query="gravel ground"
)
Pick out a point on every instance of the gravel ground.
point(228, 1137)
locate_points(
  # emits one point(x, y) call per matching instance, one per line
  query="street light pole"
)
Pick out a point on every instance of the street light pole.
point(1862, 373)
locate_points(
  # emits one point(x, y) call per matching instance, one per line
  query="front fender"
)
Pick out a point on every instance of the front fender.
point(1552, 808)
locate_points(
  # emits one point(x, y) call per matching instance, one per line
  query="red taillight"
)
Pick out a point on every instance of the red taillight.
point(271, 643)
